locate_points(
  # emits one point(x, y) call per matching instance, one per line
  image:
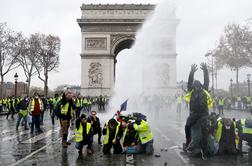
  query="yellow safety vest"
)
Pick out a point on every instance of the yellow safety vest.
point(219, 130)
point(79, 132)
point(33, 105)
point(144, 132)
point(106, 138)
point(187, 98)
point(221, 102)
point(77, 102)
point(179, 100)
point(23, 112)
point(245, 130)
point(64, 109)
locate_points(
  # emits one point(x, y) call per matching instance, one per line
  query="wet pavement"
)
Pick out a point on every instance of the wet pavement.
point(22, 148)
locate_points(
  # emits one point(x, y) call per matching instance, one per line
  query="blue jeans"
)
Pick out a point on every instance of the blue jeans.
point(147, 148)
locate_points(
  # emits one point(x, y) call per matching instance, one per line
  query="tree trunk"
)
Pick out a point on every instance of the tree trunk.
point(28, 85)
point(237, 81)
point(46, 84)
point(1, 87)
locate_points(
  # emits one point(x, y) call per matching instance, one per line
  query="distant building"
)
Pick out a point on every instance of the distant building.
point(243, 89)
point(9, 89)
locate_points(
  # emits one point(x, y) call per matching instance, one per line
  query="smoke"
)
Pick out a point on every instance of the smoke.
point(148, 71)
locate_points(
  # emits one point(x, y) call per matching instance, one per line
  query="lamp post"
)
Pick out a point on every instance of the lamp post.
point(231, 87)
point(27, 87)
point(16, 78)
point(248, 77)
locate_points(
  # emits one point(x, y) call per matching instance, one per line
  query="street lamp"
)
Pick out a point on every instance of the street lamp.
point(16, 78)
point(27, 87)
point(248, 77)
point(231, 87)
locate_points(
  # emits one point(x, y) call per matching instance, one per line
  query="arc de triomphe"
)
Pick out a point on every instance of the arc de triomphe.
point(105, 31)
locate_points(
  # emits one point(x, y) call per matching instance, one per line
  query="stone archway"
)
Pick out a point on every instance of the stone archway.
point(106, 30)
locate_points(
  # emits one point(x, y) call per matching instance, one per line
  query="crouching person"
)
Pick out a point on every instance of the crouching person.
point(145, 135)
point(244, 132)
point(112, 137)
point(83, 134)
point(129, 140)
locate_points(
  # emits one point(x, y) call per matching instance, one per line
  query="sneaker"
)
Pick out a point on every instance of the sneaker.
point(203, 156)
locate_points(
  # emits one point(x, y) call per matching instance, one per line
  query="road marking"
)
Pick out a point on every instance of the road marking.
point(173, 147)
point(181, 157)
point(7, 131)
point(35, 152)
point(41, 136)
point(164, 136)
point(14, 136)
point(129, 160)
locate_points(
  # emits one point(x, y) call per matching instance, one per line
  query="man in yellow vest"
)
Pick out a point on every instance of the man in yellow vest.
point(55, 102)
point(64, 111)
point(145, 135)
point(78, 106)
point(113, 134)
point(179, 103)
point(199, 102)
point(83, 134)
point(11, 107)
point(244, 132)
point(220, 105)
point(35, 108)
point(23, 111)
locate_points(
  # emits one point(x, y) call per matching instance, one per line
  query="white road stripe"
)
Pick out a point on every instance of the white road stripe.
point(176, 151)
point(41, 136)
point(164, 136)
point(14, 136)
point(35, 152)
point(129, 159)
point(181, 157)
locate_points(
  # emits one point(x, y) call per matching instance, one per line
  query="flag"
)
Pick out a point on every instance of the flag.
point(124, 106)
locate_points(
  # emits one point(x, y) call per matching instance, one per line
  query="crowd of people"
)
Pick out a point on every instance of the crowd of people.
point(124, 133)
point(207, 131)
point(212, 134)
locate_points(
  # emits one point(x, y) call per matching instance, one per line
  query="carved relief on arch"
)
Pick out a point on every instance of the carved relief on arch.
point(95, 75)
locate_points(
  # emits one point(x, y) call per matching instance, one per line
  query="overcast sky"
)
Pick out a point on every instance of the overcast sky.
point(201, 24)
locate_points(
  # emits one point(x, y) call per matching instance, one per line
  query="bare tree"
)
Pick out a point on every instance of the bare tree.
point(29, 57)
point(48, 58)
point(213, 66)
point(234, 49)
point(8, 52)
